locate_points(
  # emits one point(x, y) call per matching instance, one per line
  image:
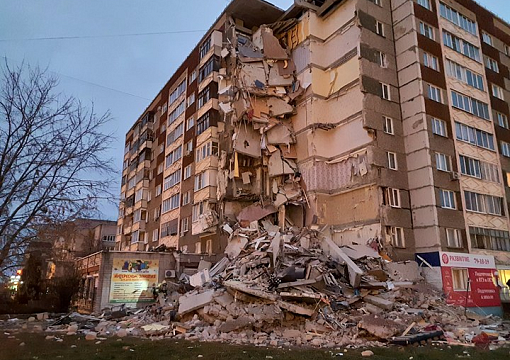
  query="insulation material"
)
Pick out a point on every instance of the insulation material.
point(247, 141)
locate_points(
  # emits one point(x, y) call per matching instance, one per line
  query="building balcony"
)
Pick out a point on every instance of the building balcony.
point(139, 225)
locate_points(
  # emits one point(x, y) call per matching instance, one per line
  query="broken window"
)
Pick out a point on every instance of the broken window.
point(396, 236)
point(385, 91)
point(198, 209)
point(206, 150)
point(460, 279)
point(392, 197)
point(381, 58)
point(200, 181)
point(184, 225)
point(379, 28)
point(188, 148)
point(187, 172)
point(392, 160)
point(453, 238)
point(186, 198)
point(388, 125)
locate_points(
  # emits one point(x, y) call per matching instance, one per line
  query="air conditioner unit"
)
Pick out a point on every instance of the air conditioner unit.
point(169, 274)
point(455, 175)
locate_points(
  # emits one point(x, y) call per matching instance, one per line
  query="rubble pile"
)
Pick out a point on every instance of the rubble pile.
point(294, 288)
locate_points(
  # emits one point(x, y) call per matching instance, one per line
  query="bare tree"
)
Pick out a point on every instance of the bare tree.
point(52, 165)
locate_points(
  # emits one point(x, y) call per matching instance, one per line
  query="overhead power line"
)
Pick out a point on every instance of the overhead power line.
point(103, 36)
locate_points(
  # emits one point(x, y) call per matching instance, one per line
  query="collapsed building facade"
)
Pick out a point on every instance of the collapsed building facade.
point(369, 116)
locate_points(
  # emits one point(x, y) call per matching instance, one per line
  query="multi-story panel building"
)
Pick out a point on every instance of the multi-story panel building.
point(385, 119)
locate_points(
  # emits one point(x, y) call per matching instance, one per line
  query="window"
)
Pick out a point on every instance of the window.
point(174, 156)
point(381, 59)
point(426, 30)
point(464, 74)
point(491, 239)
point(188, 147)
point(205, 47)
point(193, 76)
point(430, 61)
point(424, 3)
point(453, 238)
point(203, 123)
point(169, 228)
point(198, 209)
point(502, 120)
point(186, 198)
point(434, 93)
point(474, 136)
point(200, 181)
point(497, 92)
point(187, 172)
point(461, 46)
point(191, 99)
point(486, 38)
point(206, 150)
point(175, 134)
point(396, 235)
point(491, 64)
point(392, 197)
point(184, 225)
point(470, 105)
point(439, 127)
point(481, 203)
point(443, 162)
point(377, 2)
point(388, 125)
point(460, 279)
point(171, 203)
point(392, 160)
point(203, 97)
point(178, 91)
point(172, 180)
point(379, 28)
point(158, 190)
point(155, 235)
point(447, 199)
point(207, 69)
point(457, 18)
point(198, 247)
point(157, 213)
point(190, 123)
point(505, 148)
point(178, 111)
point(385, 91)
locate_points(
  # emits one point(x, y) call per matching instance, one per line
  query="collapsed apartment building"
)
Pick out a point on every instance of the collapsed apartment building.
point(338, 113)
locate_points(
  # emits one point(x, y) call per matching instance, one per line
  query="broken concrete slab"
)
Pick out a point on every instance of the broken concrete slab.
point(278, 165)
point(280, 134)
point(297, 283)
point(404, 271)
point(271, 45)
point(380, 302)
point(331, 249)
point(200, 278)
point(235, 246)
point(275, 247)
point(236, 324)
point(247, 141)
point(279, 107)
point(379, 327)
point(192, 302)
point(295, 309)
point(356, 252)
point(239, 286)
point(255, 212)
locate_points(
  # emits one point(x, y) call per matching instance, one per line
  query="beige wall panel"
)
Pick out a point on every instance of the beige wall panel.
point(407, 58)
point(357, 235)
point(424, 196)
point(410, 91)
point(323, 28)
point(425, 216)
point(418, 159)
point(402, 12)
point(487, 221)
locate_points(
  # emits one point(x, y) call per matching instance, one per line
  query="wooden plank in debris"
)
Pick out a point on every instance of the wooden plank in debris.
point(337, 254)
point(296, 309)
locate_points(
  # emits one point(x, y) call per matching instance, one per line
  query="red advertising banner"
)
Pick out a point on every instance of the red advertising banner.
point(482, 289)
